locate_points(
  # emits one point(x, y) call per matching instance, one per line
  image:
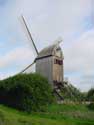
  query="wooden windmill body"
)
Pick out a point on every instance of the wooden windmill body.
point(49, 62)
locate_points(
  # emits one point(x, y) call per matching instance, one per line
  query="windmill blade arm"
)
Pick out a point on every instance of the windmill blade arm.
point(29, 34)
point(27, 67)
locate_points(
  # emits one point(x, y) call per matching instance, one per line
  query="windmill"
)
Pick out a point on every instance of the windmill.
point(49, 62)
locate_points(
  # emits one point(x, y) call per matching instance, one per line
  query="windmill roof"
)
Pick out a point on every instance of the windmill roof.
point(48, 51)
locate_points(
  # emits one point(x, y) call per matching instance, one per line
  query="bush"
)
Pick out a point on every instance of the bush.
point(71, 93)
point(27, 92)
point(91, 106)
point(90, 95)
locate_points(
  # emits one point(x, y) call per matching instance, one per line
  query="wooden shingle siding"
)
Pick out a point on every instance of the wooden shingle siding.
point(44, 67)
point(51, 66)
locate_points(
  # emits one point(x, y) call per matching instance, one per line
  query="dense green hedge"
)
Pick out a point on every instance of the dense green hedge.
point(90, 95)
point(91, 106)
point(28, 92)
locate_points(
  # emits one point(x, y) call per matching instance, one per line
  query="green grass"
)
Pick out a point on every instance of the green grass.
point(62, 114)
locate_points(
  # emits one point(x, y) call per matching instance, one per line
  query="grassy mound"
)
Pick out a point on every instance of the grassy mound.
point(27, 92)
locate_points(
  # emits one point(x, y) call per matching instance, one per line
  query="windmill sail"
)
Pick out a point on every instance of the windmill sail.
point(29, 34)
point(35, 48)
point(27, 67)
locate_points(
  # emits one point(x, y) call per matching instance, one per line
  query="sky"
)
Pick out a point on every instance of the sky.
point(73, 20)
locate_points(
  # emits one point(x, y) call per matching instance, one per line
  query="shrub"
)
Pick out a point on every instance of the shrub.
point(27, 92)
point(90, 95)
point(91, 106)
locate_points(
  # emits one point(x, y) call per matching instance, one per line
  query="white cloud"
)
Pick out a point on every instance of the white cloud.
point(20, 56)
point(80, 53)
point(6, 75)
point(79, 60)
point(49, 19)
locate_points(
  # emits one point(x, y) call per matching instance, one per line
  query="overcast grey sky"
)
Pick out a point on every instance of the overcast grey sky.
point(73, 20)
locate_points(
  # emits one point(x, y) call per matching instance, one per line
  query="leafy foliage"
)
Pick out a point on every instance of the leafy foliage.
point(71, 93)
point(91, 106)
point(90, 98)
point(28, 92)
point(90, 95)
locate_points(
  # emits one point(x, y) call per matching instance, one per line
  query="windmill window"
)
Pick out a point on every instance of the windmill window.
point(59, 62)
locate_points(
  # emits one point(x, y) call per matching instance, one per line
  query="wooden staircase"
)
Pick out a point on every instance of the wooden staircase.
point(57, 92)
